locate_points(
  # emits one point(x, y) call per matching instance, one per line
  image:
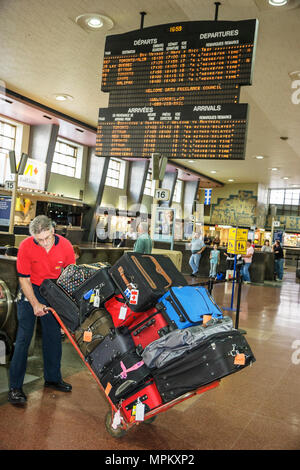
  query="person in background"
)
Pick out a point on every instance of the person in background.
point(144, 242)
point(266, 248)
point(247, 260)
point(216, 240)
point(207, 239)
point(214, 260)
point(77, 252)
point(41, 256)
point(279, 260)
point(197, 248)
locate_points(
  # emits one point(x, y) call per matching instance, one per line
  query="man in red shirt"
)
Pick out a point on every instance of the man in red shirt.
point(41, 256)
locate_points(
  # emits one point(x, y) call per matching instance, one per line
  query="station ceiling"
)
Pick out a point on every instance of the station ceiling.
point(44, 52)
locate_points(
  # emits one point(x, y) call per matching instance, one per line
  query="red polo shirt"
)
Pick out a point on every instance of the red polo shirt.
point(33, 260)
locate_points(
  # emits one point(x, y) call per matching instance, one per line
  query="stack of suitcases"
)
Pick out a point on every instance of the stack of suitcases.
point(147, 335)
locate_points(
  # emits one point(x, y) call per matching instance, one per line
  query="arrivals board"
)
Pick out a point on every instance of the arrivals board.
point(191, 132)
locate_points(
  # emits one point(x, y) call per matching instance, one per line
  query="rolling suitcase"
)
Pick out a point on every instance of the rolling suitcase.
point(185, 306)
point(116, 343)
point(148, 395)
point(64, 305)
point(93, 330)
point(148, 327)
point(99, 283)
point(120, 312)
point(178, 342)
point(142, 279)
point(220, 355)
point(124, 375)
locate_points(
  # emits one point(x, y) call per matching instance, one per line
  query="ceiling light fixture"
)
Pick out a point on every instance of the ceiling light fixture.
point(274, 169)
point(259, 157)
point(63, 97)
point(231, 180)
point(94, 22)
point(285, 178)
point(213, 171)
point(277, 3)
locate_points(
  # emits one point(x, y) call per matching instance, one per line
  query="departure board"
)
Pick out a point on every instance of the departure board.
point(191, 132)
point(186, 53)
point(175, 88)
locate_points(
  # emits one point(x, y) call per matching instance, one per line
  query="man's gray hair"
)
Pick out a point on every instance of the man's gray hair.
point(40, 224)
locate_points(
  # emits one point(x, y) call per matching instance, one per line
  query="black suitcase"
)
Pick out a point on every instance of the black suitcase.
point(100, 281)
point(124, 375)
point(211, 360)
point(149, 276)
point(62, 303)
point(116, 343)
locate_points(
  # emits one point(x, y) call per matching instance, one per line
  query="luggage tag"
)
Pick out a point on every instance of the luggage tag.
point(127, 292)
point(139, 411)
point(88, 294)
point(96, 302)
point(117, 420)
point(87, 336)
point(240, 359)
point(123, 312)
point(134, 297)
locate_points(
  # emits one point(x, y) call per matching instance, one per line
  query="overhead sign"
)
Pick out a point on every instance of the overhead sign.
point(237, 241)
point(162, 194)
point(33, 177)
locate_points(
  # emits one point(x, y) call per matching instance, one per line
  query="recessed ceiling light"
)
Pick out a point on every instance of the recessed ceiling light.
point(231, 180)
point(191, 161)
point(213, 171)
point(259, 157)
point(63, 97)
point(277, 3)
point(94, 22)
point(274, 169)
point(285, 178)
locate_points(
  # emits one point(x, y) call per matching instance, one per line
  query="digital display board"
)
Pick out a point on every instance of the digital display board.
point(191, 132)
point(185, 54)
point(175, 88)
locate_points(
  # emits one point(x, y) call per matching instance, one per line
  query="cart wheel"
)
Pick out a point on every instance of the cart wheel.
point(119, 432)
point(150, 420)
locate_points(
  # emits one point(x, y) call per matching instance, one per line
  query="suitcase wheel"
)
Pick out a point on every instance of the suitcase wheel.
point(119, 432)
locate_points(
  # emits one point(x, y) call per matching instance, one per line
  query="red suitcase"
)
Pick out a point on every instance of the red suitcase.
point(148, 395)
point(147, 327)
point(114, 306)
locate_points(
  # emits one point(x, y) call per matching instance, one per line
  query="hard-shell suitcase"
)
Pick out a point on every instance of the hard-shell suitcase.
point(120, 311)
point(148, 395)
point(122, 376)
point(185, 306)
point(64, 305)
point(178, 342)
point(142, 279)
point(101, 283)
point(218, 356)
point(93, 330)
point(148, 327)
point(116, 343)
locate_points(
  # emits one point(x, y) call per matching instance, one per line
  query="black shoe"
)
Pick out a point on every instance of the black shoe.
point(193, 275)
point(16, 396)
point(61, 386)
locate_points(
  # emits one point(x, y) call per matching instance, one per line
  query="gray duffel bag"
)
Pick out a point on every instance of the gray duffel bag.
point(177, 342)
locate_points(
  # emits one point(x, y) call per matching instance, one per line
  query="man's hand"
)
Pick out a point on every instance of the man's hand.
point(40, 310)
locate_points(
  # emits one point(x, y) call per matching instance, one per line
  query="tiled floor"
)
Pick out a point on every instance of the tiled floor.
point(256, 408)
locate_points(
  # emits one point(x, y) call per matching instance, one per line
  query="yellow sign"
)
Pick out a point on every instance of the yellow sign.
point(237, 241)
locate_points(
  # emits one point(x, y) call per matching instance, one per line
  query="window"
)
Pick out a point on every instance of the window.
point(67, 159)
point(287, 201)
point(149, 185)
point(116, 173)
point(7, 143)
point(177, 191)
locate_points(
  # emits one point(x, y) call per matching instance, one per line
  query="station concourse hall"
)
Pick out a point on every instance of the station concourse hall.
point(150, 227)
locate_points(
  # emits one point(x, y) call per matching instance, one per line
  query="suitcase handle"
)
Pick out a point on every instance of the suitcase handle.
point(160, 270)
point(146, 325)
point(144, 273)
point(122, 274)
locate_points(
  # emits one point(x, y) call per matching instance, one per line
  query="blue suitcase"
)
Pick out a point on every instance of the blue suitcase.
point(185, 306)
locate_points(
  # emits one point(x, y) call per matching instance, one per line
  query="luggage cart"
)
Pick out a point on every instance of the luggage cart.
point(150, 416)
